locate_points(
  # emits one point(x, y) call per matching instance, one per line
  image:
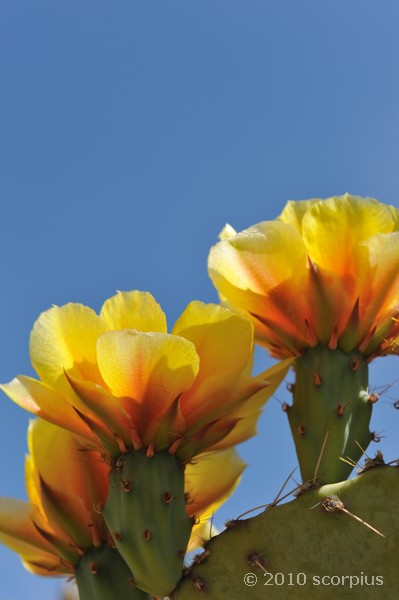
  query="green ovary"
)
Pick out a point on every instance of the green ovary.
point(330, 415)
point(146, 515)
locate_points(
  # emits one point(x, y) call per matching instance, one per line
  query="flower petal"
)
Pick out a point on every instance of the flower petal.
point(133, 310)
point(65, 479)
point(17, 530)
point(332, 230)
point(210, 480)
point(151, 368)
point(43, 401)
point(223, 339)
point(64, 339)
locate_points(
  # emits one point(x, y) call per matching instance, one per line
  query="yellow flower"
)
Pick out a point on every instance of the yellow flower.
point(120, 381)
point(326, 272)
point(67, 486)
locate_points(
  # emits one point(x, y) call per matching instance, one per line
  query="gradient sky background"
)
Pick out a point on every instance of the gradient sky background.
point(131, 132)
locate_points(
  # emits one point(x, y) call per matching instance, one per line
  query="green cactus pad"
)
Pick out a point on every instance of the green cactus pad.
point(146, 515)
point(285, 552)
point(102, 574)
point(331, 407)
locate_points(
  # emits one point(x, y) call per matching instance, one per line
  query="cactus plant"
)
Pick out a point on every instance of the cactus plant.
point(319, 287)
point(300, 550)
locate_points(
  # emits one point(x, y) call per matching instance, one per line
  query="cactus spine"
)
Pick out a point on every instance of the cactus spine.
point(146, 515)
point(102, 574)
point(331, 412)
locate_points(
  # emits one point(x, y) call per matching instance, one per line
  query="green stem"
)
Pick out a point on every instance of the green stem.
point(146, 514)
point(102, 574)
point(331, 412)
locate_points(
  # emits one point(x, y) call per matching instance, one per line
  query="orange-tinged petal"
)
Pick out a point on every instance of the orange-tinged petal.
point(210, 479)
point(59, 460)
point(217, 396)
point(133, 310)
point(17, 529)
point(63, 339)
point(258, 258)
point(43, 401)
point(105, 406)
point(325, 272)
point(222, 339)
point(333, 229)
point(245, 428)
point(151, 368)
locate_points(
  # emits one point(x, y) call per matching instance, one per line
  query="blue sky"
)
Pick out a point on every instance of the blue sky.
point(131, 132)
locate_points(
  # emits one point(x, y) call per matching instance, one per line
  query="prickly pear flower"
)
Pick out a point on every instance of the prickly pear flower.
point(321, 284)
point(326, 272)
point(118, 379)
point(65, 488)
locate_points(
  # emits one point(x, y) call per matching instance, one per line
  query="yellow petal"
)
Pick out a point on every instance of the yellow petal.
point(64, 339)
point(295, 210)
point(210, 480)
point(216, 397)
point(65, 479)
point(227, 232)
point(202, 531)
point(333, 229)
point(247, 413)
point(17, 530)
point(151, 368)
point(43, 401)
point(222, 339)
point(258, 258)
point(107, 409)
point(133, 310)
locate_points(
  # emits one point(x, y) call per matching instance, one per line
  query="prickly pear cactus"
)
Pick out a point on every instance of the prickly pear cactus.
point(331, 412)
point(337, 541)
point(146, 515)
point(102, 574)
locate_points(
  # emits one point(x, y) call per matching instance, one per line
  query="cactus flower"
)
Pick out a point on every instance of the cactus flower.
point(67, 486)
point(326, 272)
point(150, 402)
point(321, 284)
point(119, 380)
